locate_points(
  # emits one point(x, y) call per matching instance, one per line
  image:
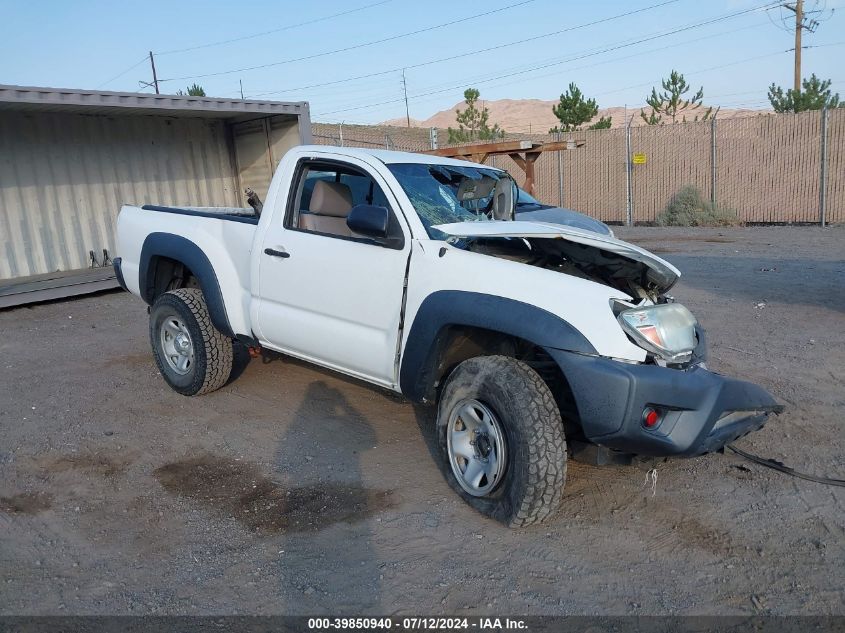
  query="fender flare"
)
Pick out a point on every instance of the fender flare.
point(446, 308)
point(189, 254)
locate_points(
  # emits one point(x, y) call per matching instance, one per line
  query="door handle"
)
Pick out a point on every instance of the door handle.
point(275, 253)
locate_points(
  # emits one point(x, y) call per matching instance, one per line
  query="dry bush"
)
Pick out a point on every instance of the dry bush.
point(689, 208)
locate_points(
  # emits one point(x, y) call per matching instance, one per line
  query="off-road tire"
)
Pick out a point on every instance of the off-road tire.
point(213, 353)
point(532, 486)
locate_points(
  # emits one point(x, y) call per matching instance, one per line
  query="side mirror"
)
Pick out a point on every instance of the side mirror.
point(369, 220)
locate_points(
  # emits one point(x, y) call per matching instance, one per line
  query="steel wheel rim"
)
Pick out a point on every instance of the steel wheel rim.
point(177, 347)
point(476, 446)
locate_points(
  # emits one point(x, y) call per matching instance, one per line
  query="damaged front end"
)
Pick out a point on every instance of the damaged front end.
point(671, 404)
point(646, 409)
point(578, 252)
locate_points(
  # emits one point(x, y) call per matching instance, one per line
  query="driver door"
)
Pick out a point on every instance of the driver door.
point(326, 295)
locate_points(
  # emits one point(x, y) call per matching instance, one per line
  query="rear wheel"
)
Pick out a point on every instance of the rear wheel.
point(501, 436)
point(192, 356)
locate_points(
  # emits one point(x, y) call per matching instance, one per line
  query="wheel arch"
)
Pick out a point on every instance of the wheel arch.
point(452, 326)
point(162, 250)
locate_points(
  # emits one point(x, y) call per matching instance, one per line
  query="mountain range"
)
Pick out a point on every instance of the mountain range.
point(535, 115)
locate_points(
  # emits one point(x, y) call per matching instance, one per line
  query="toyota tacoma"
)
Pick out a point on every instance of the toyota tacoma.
point(414, 273)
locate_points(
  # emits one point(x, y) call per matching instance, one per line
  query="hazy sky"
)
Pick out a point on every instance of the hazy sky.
point(87, 44)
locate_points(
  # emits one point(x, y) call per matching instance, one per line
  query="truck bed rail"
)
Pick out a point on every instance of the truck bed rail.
point(231, 214)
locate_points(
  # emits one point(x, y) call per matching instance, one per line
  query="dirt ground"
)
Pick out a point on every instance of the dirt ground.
point(295, 490)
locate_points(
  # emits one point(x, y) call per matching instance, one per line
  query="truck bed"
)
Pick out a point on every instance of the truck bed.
point(224, 235)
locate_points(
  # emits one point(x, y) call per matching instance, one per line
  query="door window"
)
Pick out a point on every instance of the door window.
point(326, 193)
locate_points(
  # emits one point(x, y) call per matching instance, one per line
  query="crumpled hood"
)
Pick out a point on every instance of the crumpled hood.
point(593, 249)
point(563, 217)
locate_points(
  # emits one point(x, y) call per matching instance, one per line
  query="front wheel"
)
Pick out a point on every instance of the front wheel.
point(192, 356)
point(501, 436)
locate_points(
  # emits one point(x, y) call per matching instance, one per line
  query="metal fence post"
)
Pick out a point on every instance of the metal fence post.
point(823, 170)
point(559, 174)
point(629, 172)
point(713, 161)
point(432, 137)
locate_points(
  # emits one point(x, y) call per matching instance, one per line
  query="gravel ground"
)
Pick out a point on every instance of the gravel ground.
point(295, 490)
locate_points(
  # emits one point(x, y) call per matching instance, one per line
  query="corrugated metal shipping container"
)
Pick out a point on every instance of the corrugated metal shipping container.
point(259, 146)
point(63, 178)
point(70, 158)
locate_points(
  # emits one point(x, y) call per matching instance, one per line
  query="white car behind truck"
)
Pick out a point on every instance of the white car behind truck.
point(409, 272)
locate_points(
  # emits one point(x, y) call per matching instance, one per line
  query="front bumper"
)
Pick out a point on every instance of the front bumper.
point(701, 410)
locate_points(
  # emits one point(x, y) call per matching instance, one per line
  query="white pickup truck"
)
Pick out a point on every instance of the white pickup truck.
point(409, 272)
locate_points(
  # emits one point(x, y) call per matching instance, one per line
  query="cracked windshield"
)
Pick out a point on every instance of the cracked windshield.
point(442, 194)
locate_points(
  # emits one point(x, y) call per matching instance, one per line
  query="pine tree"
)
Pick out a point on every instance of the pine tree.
point(602, 124)
point(473, 123)
point(814, 96)
point(671, 102)
point(574, 110)
point(194, 90)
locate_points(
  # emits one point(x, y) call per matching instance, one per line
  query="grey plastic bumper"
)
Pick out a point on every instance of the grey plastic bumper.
point(117, 263)
point(702, 410)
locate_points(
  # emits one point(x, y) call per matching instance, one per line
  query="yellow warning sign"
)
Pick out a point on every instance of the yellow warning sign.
point(639, 158)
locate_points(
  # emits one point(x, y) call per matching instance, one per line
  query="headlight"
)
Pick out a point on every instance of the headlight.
point(667, 330)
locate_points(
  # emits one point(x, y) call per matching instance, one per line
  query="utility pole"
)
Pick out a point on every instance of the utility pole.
point(799, 25)
point(241, 82)
point(803, 22)
point(405, 89)
point(155, 78)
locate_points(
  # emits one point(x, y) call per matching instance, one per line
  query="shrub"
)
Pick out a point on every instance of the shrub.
point(689, 208)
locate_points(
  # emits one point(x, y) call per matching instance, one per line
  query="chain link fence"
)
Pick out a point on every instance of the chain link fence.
point(773, 168)
point(402, 139)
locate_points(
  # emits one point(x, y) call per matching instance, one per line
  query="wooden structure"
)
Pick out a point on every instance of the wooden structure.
point(523, 153)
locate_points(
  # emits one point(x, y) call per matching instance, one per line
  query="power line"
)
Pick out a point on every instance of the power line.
point(557, 63)
point(822, 45)
point(719, 67)
point(780, 26)
point(624, 57)
point(700, 70)
point(583, 55)
point(487, 78)
point(355, 46)
point(615, 59)
point(270, 32)
point(472, 52)
point(118, 76)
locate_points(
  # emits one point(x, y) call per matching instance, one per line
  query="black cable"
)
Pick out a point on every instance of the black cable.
point(354, 46)
point(637, 54)
point(135, 65)
point(480, 81)
point(558, 63)
point(476, 51)
point(270, 32)
point(781, 467)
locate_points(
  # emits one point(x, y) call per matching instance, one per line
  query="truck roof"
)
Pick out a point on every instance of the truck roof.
point(389, 157)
